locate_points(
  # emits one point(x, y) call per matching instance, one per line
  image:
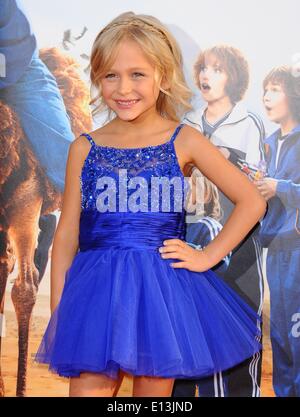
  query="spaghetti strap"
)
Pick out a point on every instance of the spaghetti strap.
point(177, 130)
point(89, 138)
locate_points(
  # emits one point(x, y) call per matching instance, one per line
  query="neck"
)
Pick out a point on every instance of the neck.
point(217, 109)
point(287, 125)
point(145, 120)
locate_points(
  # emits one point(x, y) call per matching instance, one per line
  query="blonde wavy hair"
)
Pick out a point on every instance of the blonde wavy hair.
point(161, 49)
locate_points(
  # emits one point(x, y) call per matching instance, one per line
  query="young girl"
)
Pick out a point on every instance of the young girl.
point(136, 298)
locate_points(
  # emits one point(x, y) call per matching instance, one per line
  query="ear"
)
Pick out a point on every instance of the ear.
point(165, 84)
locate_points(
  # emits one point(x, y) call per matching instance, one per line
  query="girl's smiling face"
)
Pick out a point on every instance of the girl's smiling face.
point(212, 78)
point(129, 87)
point(276, 103)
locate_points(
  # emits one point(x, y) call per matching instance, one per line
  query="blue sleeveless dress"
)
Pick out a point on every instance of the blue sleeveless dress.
point(123, 307)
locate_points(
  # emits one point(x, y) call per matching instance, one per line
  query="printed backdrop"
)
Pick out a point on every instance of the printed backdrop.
point(264, 30)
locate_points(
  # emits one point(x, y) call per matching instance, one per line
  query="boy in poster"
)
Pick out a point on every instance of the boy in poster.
point(222, 75)
point(280, 231)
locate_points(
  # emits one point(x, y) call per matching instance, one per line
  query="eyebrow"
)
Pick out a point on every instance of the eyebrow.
point(213, 64)
point(132, 69)
point(272, 84)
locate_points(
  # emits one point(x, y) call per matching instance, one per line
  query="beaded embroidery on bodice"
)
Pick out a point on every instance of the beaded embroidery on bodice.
point(158, 161)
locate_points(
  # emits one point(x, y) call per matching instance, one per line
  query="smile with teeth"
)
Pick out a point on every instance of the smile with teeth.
point(126, 103)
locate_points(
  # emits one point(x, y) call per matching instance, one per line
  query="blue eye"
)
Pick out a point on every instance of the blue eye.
point(138, 74)
point(109, 75)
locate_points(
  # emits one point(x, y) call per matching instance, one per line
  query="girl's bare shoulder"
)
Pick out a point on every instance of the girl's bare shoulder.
point(192, 140)
point(78, 152)
point(192, 136)
point(102, 135)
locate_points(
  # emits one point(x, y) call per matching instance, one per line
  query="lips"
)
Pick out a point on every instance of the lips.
point(127, 101)
point(205, 86)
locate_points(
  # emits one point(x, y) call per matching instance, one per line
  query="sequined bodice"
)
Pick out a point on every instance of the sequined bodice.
point(138, 168)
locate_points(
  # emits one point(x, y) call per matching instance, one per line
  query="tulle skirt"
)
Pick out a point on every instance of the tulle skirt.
point(128, 309)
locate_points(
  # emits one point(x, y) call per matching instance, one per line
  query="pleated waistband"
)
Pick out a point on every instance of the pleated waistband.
point(142, 230)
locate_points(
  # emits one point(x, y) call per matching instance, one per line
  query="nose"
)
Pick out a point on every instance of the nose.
point(267, 97)
point(205, 74)
point(124, 86)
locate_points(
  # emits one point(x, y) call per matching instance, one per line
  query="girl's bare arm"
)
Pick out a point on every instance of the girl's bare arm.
point(65, 244)
point(249, 207)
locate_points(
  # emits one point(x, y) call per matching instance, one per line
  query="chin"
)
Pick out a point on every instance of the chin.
point(275, 120)
point(127, 118)
point(211, 100)
point(205, 95)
